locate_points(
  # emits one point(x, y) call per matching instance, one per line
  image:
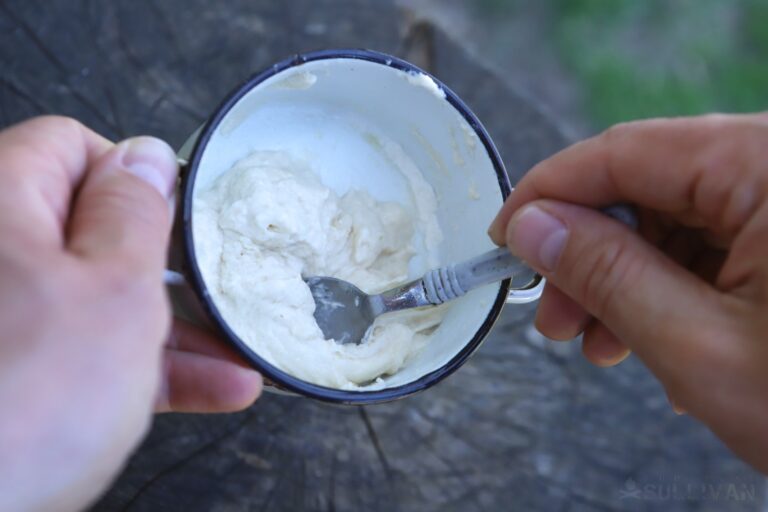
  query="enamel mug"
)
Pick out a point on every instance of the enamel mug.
point(433, 126)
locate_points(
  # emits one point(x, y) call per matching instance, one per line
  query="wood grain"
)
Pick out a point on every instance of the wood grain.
point(525, 425)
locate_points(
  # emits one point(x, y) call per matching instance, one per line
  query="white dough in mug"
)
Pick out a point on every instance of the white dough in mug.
point(267, 222)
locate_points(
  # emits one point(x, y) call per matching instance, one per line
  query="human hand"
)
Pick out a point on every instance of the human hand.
point(688, 293)
point(85, 350)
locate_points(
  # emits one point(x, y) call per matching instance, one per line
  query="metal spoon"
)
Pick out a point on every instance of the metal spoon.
point(345, 313)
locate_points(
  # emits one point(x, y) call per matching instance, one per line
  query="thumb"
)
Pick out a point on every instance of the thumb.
point(648, 301)
point(121, 211)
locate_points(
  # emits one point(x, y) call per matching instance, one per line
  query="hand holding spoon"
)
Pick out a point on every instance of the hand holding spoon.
point(345, 313)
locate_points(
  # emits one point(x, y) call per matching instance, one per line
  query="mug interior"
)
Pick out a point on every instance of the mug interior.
point(339, 113)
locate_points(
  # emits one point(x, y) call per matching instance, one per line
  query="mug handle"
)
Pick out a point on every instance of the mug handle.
point(529, 293)
point(174, 278)
point(185, 302)
point(174, 275)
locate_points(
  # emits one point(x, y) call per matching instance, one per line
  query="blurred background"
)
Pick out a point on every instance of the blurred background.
point(526, 424)
point(594, 63)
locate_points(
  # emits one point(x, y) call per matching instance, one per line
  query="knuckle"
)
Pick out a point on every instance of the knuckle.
point(617, 132)
point(718, 131)
point(126, 224)
point(145, 212)
point(59, 123)
point(133, 201)
point(613, 142)
point(607, 272)
point(725, 200)
point(715, 122)
point(714, 159)
point(629, 129)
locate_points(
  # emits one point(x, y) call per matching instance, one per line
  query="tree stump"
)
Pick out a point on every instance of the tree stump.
point(525, 425)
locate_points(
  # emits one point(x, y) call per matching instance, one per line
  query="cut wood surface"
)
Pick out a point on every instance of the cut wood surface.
point(525, 425)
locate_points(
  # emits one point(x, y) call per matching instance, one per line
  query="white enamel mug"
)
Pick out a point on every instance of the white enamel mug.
point(303, 105)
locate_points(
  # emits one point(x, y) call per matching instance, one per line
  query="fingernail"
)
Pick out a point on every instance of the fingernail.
point(676, 407)
point(153, 161)
point(614, 359)
point(537, 237)
point(495, 232)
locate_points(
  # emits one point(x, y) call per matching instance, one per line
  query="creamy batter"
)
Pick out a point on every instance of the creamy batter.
point(269, 220)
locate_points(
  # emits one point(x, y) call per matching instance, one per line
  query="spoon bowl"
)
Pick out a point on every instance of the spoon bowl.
point(345, 313)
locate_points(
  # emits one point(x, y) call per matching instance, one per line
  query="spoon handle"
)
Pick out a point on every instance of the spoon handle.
point(453, 281)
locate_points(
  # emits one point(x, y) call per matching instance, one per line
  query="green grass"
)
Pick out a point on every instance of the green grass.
point(756, 26)
point(647, 58)
point(615, 92)
point(711, 65)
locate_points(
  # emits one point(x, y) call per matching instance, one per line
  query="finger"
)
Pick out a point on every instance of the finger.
point(186, 337)
point(662, 164)
point(121, 212)
point(618, 278)
point(558, 317)
point(601, 347)
point(200, 383)
point(43, 160)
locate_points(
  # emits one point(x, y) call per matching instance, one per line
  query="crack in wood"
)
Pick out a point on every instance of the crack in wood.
point(35, 38)
point(21, 93)
point(375, 442)
point(135, 61)
point(57, 63)
point(168, 29)
point(132, 58)
point(154, 107)
point(120, 129)
point(185, 460)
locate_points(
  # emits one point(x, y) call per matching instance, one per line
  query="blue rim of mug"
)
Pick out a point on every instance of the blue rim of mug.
point(280, 378)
